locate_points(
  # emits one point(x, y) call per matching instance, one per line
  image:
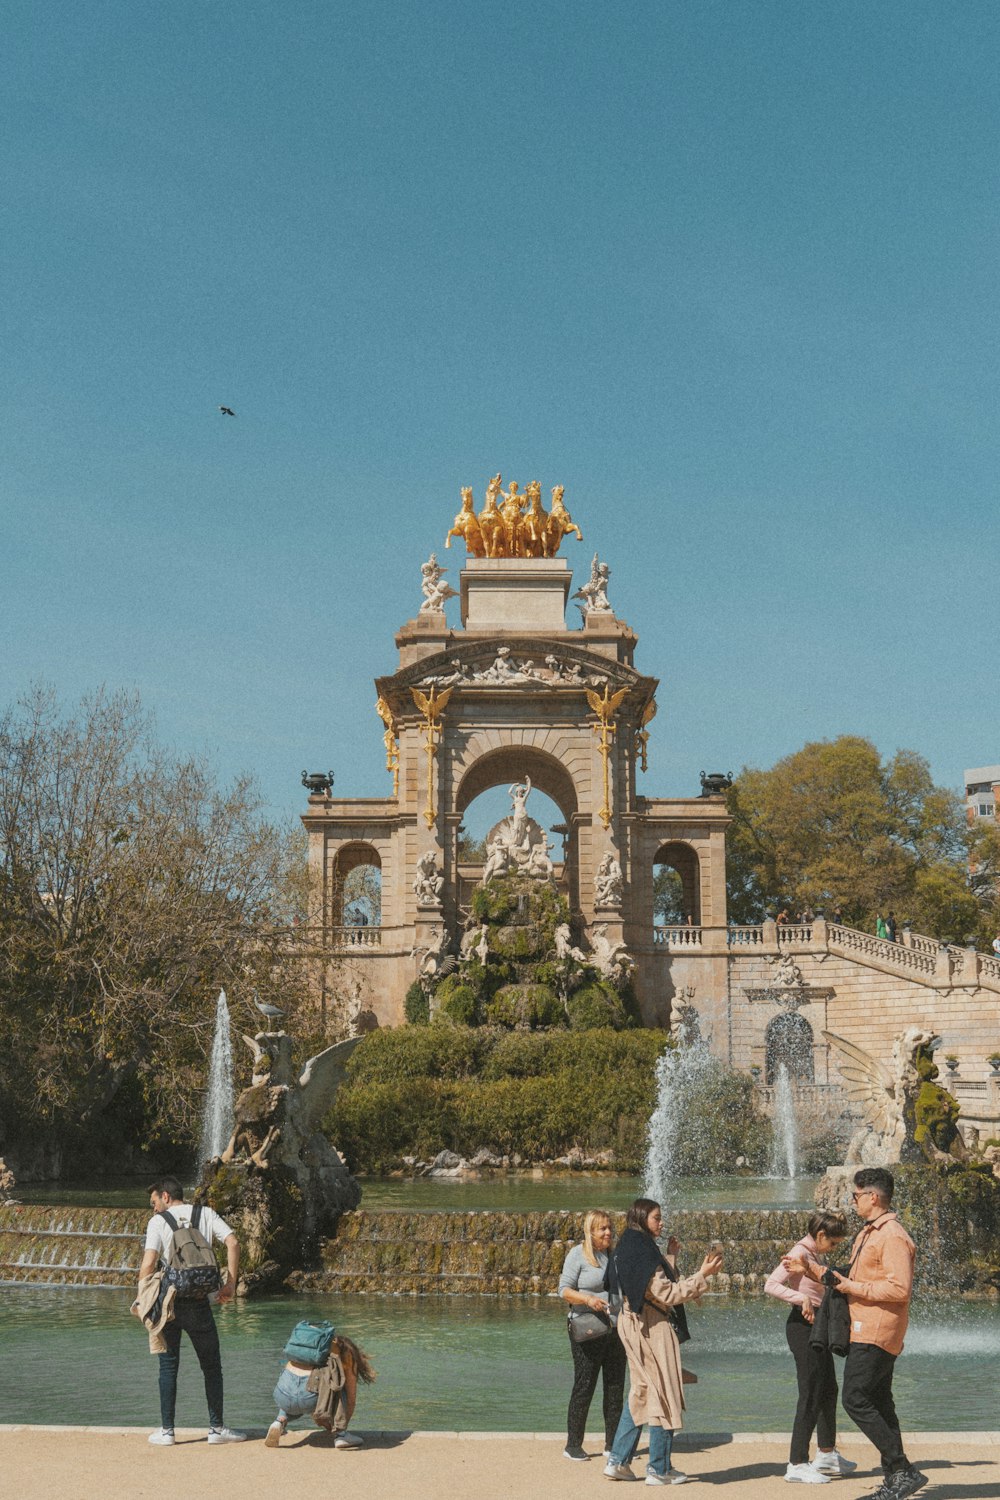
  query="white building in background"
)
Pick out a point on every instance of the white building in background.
point(982, 784)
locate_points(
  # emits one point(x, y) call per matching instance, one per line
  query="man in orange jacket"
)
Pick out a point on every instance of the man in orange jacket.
point(878, 1291)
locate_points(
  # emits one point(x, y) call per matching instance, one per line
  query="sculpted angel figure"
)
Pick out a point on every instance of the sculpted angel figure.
point(906, 1114)
point(564, 945)
point(428, 882)
point(435, 591)
point(611, 960)
point(467, 526)
point(497, 860)
point(539, 864)
point(518, 794)
point(594, 592)
point(609, 882)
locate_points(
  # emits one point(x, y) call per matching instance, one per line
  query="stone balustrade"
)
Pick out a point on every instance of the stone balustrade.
point(793, 932)
point(677, 939)
point(745, 937)
point(355, 937)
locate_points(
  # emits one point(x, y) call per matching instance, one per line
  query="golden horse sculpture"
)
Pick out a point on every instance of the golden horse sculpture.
point(468, 528)
point(504, 528)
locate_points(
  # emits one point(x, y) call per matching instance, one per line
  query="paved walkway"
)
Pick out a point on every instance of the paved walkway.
point(87, 1463)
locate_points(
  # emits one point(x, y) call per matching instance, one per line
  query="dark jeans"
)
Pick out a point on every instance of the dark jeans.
point(817, 1407)
point(868, 1401)
point(193, 1317)
point(589, 1360)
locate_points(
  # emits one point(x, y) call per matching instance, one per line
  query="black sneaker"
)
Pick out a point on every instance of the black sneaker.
point(905, 1482)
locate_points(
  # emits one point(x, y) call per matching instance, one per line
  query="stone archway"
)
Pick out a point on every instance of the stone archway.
point(683, 859)
point(788, 1040)
point(347, 907)
point(506, 764)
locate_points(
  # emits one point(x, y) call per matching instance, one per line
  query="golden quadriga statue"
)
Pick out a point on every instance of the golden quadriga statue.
point(512, 524)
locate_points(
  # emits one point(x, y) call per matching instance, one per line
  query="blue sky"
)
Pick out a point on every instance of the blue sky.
point(726, 271)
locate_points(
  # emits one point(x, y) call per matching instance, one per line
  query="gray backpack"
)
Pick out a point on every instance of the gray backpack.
point(190, 1266)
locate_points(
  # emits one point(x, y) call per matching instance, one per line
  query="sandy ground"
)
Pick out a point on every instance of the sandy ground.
point(97, 1463)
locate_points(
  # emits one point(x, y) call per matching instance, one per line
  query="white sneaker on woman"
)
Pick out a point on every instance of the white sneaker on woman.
point(672, 1476)
point(805, 1474)
point(833, 1463)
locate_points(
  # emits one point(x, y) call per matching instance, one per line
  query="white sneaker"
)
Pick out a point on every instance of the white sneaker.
point(226, 1435)
point(275, 1433)
point(672, 1476)
point(163, 1437)
point(805, 1474)
point(833, 1463)
point(612, 1470)
point(348, 1440)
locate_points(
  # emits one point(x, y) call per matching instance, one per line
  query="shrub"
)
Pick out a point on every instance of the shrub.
point(529, 1005)
point(416, 1006)
point(458, 1004)
point(594, 1006)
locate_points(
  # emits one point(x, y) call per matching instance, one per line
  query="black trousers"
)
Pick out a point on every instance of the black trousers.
point(590, 1359)
point(868, 1401)
point(193, 1317)
point(817, 1378)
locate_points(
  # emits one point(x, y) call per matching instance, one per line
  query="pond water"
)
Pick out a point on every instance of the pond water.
point(510, 1193)
point(75, 1356)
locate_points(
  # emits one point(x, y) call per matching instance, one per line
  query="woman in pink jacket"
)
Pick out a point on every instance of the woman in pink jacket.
point(817, 1406)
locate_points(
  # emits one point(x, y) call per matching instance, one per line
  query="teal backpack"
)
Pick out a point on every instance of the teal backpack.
point(309, 1343)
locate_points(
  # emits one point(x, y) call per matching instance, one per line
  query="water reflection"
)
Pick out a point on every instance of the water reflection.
point(497, 1363)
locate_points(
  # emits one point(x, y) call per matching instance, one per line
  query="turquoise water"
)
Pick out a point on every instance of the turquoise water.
point(509, 1193)
point(76, 1356)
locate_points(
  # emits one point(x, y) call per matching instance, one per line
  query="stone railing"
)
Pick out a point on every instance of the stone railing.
point(793, 932)
point(897, 955)
point(921, 944)
point(744, 937)
point(677, 939)
point(355, 937)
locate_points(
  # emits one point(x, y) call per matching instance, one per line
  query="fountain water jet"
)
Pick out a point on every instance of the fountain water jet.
point(217, 1126)
point(786, 1131)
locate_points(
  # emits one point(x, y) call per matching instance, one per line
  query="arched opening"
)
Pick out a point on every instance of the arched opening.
point(483, 800)
point(788, 1040)
point(676, 886)
point(356, 887)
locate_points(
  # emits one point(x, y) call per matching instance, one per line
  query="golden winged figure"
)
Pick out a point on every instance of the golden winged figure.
point(606, 706)
point(433, 703)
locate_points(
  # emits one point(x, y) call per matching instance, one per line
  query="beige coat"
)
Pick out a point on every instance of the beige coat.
point(654, 1355)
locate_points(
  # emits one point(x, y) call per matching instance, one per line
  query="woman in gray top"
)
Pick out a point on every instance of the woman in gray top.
point(582, 1286)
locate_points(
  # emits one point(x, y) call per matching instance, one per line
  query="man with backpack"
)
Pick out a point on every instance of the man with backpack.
point(179, 1239)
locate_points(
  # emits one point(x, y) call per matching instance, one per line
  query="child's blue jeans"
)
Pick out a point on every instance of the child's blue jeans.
point(291, 1397)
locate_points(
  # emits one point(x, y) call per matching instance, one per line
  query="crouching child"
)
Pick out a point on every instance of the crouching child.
point(319, 1379)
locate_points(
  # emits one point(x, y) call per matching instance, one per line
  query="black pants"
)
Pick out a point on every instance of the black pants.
point(868, 1401)
point(193, 1317)
point(590, 1359)
point(817, 1406)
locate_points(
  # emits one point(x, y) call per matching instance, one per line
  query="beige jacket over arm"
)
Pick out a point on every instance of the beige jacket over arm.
point(654, 1355)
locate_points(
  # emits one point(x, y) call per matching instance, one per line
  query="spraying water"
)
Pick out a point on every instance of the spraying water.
point(786, 1135)
point(683, 1079)
point(218, 1123)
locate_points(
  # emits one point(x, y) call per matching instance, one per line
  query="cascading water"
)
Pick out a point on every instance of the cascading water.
point(786, 1135)
point(683, 1075)
point(217, 1126)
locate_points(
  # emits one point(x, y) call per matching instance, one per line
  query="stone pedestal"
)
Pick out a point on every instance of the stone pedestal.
point(511, 593)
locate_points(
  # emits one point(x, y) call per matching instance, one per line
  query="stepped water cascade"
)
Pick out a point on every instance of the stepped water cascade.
point(217, 1126)
point(786, 1130)
point(71, 1246)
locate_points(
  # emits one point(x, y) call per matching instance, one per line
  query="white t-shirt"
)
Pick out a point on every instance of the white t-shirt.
point(159, 1234)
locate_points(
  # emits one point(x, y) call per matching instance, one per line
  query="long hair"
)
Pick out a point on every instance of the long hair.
point(362, 1364)
point(639, 1213)
point(595, 1219)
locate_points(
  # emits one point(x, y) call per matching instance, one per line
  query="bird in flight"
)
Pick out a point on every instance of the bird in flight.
point(227, 411)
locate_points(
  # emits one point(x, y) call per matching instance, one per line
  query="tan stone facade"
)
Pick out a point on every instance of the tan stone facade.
point(512, 694)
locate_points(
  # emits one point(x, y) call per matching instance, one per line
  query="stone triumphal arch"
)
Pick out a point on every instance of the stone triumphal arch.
point(515, 695)
point(516, 698)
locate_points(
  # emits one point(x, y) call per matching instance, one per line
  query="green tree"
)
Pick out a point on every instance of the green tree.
point(836, 826)
point(131, 888)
